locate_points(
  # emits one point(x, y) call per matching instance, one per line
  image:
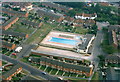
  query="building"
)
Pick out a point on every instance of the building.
point(14, 13)
point(86, 44)
point(85, 16)
point(104, 3)
point(50, 15)
point(115, 28)
point(86, 23)
point(112, 74)
point(7, 45)
point(56, 6)
point(14, 71)
point(33, 24)
point(113, 39)
point(16, 34)
point(24, 6)
point(115, 59)
point(8, 23)
point(87, 71)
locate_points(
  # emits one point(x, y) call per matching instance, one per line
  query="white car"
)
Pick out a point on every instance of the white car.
point(18, 49)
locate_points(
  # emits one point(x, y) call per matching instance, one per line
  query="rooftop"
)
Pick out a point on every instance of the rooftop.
point(13, 33)
point(12, 71)
point(63, 64)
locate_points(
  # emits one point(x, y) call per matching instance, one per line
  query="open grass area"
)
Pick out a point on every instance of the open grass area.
point(24, 30)
point(25, 59)
point(13, 56)
point(33, 55)
point(95, 76)
point(48, 69)
point(76, 79)
point(40, 33)
point(66, 74)
point(3, 63)
point(80, 30)
point(43, 67)
point(8, 53)
point(54, 71)
point(4, 51)
point(60, 73)
point(73, 75)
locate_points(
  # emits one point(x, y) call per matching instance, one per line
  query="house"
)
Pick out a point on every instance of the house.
point(85, 16)
point(14, 71)
point(16, 34)
point(82, 22)
point(50, 15)
point(9, 46)
point(87, 71)
point(8, 23)
point(115, 59)
point(33, 24)
point(113, 38)
point(14, 13)
point(56, 6)
point(86, 44)
point(104, 3)
point(68, 19)
point(116, 28)
point(24, 6)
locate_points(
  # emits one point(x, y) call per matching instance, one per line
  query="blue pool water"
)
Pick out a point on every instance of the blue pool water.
point(64, 41)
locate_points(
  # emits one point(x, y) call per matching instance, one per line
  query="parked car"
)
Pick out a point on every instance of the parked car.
point(14, 54)
point(44, 73)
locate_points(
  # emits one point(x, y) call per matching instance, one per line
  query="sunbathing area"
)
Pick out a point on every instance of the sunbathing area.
point(62, 39)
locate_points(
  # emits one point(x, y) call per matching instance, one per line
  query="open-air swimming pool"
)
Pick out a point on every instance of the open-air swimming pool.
point(63, 41)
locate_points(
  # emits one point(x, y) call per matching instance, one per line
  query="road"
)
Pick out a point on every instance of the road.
point(97, 50)
point(31, 69)
point(25, 51)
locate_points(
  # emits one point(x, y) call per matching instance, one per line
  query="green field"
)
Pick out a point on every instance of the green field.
point(40, 33)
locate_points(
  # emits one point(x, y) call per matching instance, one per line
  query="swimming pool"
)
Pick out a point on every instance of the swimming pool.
point(63, 41)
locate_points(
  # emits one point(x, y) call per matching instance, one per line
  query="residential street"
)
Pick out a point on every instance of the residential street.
point(31, 69)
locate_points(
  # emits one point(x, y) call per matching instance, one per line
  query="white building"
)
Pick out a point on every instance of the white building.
point(85, 16)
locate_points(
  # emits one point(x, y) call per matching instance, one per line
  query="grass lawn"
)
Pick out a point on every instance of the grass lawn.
point(25, 59)
point(33, 55)
point(80, 76)
point(95, 76)
point(40, 33)
point(4, 51)
point(43, 67)
point(8, 53)
point(3, 62)
point(48, 69)
point(80, 30)
point(66, 74)
point(76, 79)
point(73, 75)
point(24, 30)
point(54, 71)
point(13, 56)
point(60, 73)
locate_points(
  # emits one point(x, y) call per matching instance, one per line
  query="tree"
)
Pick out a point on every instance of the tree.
point(71, 13)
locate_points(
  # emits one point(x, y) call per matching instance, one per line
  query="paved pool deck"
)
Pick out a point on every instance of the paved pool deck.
point(57, 34)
